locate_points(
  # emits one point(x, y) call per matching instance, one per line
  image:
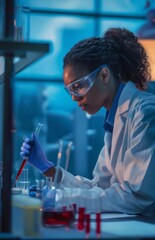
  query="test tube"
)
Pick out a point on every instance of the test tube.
point(87, 224)
point(23, 181)
point(98, 225)
point(81, 209)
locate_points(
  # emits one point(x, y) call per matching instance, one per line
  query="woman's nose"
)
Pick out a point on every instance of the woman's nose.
point(76, 98)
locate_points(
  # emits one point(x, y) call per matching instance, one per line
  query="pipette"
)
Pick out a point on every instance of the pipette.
point(38, 128)
point(58, 162)
point(68, 150)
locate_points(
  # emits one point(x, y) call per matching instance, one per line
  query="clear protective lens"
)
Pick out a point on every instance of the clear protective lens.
point(81, 86)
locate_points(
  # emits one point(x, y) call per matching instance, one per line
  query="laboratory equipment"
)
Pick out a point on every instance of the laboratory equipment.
point(23, 182)
point(57, 208)
point(59, 157)
point(58, 205)
point(81, 218)
point(25, 159)
point(40, 184)
point(98, 224)
point(26, 216)
point(36, 190)
point(87, 225)
point(32, 190)
point(68, 150)
point(47, 187)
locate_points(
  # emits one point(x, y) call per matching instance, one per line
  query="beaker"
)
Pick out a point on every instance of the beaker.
point(23, 182)
point(21, 23)
point(40, 184)
point(57, 209)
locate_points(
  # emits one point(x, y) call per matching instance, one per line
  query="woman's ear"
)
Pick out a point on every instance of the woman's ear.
point(105, 74)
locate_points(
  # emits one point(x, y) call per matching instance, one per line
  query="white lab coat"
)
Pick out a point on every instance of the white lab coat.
point(124, 174)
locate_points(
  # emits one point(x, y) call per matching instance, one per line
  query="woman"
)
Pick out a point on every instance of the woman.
point(112, 72)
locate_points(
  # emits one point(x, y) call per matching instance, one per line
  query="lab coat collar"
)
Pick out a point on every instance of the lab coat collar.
point(110, 115)
point(125, 98)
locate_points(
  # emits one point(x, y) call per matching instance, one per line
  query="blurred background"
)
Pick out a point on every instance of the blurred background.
point(39, 94)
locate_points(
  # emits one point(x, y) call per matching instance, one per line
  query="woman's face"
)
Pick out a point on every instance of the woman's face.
point(99, 95)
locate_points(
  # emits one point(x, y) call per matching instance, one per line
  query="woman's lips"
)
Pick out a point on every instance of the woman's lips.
point(83, 107)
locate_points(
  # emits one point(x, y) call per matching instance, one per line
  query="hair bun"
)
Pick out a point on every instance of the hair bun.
point(120, 39)
point(120, 35)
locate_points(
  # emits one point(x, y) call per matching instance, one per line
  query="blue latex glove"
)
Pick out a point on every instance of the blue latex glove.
point(32, 190)
point(35, 154)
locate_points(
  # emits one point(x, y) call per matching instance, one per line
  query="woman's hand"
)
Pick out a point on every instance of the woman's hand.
point(32, 150)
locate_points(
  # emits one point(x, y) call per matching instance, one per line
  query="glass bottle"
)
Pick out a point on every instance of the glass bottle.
point(57, 209)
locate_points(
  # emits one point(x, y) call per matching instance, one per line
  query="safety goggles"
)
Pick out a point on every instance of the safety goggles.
point(81, 86)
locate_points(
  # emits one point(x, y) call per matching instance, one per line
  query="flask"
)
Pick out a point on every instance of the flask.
point(57, 209)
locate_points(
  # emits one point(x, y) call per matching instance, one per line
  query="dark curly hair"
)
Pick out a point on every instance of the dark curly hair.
point(120, 49)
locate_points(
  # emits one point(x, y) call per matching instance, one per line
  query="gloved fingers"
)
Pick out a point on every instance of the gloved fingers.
point(24, 150)
point(27, 140)
point(23, 155)
point(26, 146)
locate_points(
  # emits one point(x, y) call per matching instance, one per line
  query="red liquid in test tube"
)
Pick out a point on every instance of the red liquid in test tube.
point(87, 226)
point(81, 216)
point(98, 224)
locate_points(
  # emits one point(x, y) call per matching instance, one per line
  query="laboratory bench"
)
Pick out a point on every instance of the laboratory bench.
point(113, 226)
point(27, 224)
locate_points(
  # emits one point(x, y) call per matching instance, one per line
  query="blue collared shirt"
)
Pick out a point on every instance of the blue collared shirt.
point(110, 115)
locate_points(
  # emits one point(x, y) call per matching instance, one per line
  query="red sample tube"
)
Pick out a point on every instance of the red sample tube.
point(87, 226)
point(81, 218)
point(98, 224)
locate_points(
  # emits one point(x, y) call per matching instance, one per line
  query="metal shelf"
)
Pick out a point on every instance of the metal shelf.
point(28, 52)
